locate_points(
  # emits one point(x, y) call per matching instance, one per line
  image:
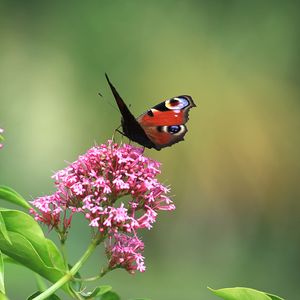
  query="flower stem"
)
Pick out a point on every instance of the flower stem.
point(69, 276)
point(64, 253)
point(103, 272)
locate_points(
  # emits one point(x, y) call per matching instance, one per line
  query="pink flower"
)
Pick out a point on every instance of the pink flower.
point(93, 185)
point(124, 251)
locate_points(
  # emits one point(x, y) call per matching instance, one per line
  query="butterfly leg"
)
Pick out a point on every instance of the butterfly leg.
point(119, 131)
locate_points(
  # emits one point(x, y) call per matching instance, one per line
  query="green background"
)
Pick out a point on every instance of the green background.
point(235, 179)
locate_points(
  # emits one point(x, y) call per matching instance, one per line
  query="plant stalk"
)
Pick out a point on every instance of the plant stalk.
point(69, 276)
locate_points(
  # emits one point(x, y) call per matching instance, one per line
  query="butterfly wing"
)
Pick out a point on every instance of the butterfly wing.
point(131, 127)
point(164, 124)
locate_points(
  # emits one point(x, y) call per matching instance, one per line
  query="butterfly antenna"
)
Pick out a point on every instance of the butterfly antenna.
point(113, 106)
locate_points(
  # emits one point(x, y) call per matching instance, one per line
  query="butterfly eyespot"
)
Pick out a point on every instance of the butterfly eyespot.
point(173, 102)
point(174, 129)
point(177, 103)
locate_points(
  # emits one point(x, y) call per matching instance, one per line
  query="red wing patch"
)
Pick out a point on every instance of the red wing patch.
point(158, 138)
point(162, 118)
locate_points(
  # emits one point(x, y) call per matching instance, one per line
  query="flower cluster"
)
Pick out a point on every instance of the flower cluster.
point(116, 189)
point(124, 251)
point(1, 137)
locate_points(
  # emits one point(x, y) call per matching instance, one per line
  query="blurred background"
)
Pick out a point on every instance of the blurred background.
point(235, 179)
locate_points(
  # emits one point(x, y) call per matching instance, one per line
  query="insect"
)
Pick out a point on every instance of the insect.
point(161, 126)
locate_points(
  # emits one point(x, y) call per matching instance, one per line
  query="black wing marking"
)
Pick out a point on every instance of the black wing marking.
point(131, 127)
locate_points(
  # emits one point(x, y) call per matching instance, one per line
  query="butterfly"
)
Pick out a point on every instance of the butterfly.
point(161, 126)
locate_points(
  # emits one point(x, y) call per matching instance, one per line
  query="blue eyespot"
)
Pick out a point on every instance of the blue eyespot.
point(177, 103)
point(174, 129)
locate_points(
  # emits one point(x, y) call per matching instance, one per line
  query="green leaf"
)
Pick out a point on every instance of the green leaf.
point(10, 195)
point(2, 288)
point(29, 246)
point(20, 223)
point(274, 297)
point(9, 260)
point(76, 285)
point(41, 285)
point(98, 291)
point(103, 289)
point(110, 296)
point(55, 255)
point(241, 293)
point(141, 299)
point(3, 229)
point(52, 297)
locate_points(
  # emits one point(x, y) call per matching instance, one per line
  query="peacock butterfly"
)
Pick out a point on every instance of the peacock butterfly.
point(159, 127)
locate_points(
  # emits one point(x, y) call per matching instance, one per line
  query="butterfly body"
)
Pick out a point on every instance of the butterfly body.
point(159, 127)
